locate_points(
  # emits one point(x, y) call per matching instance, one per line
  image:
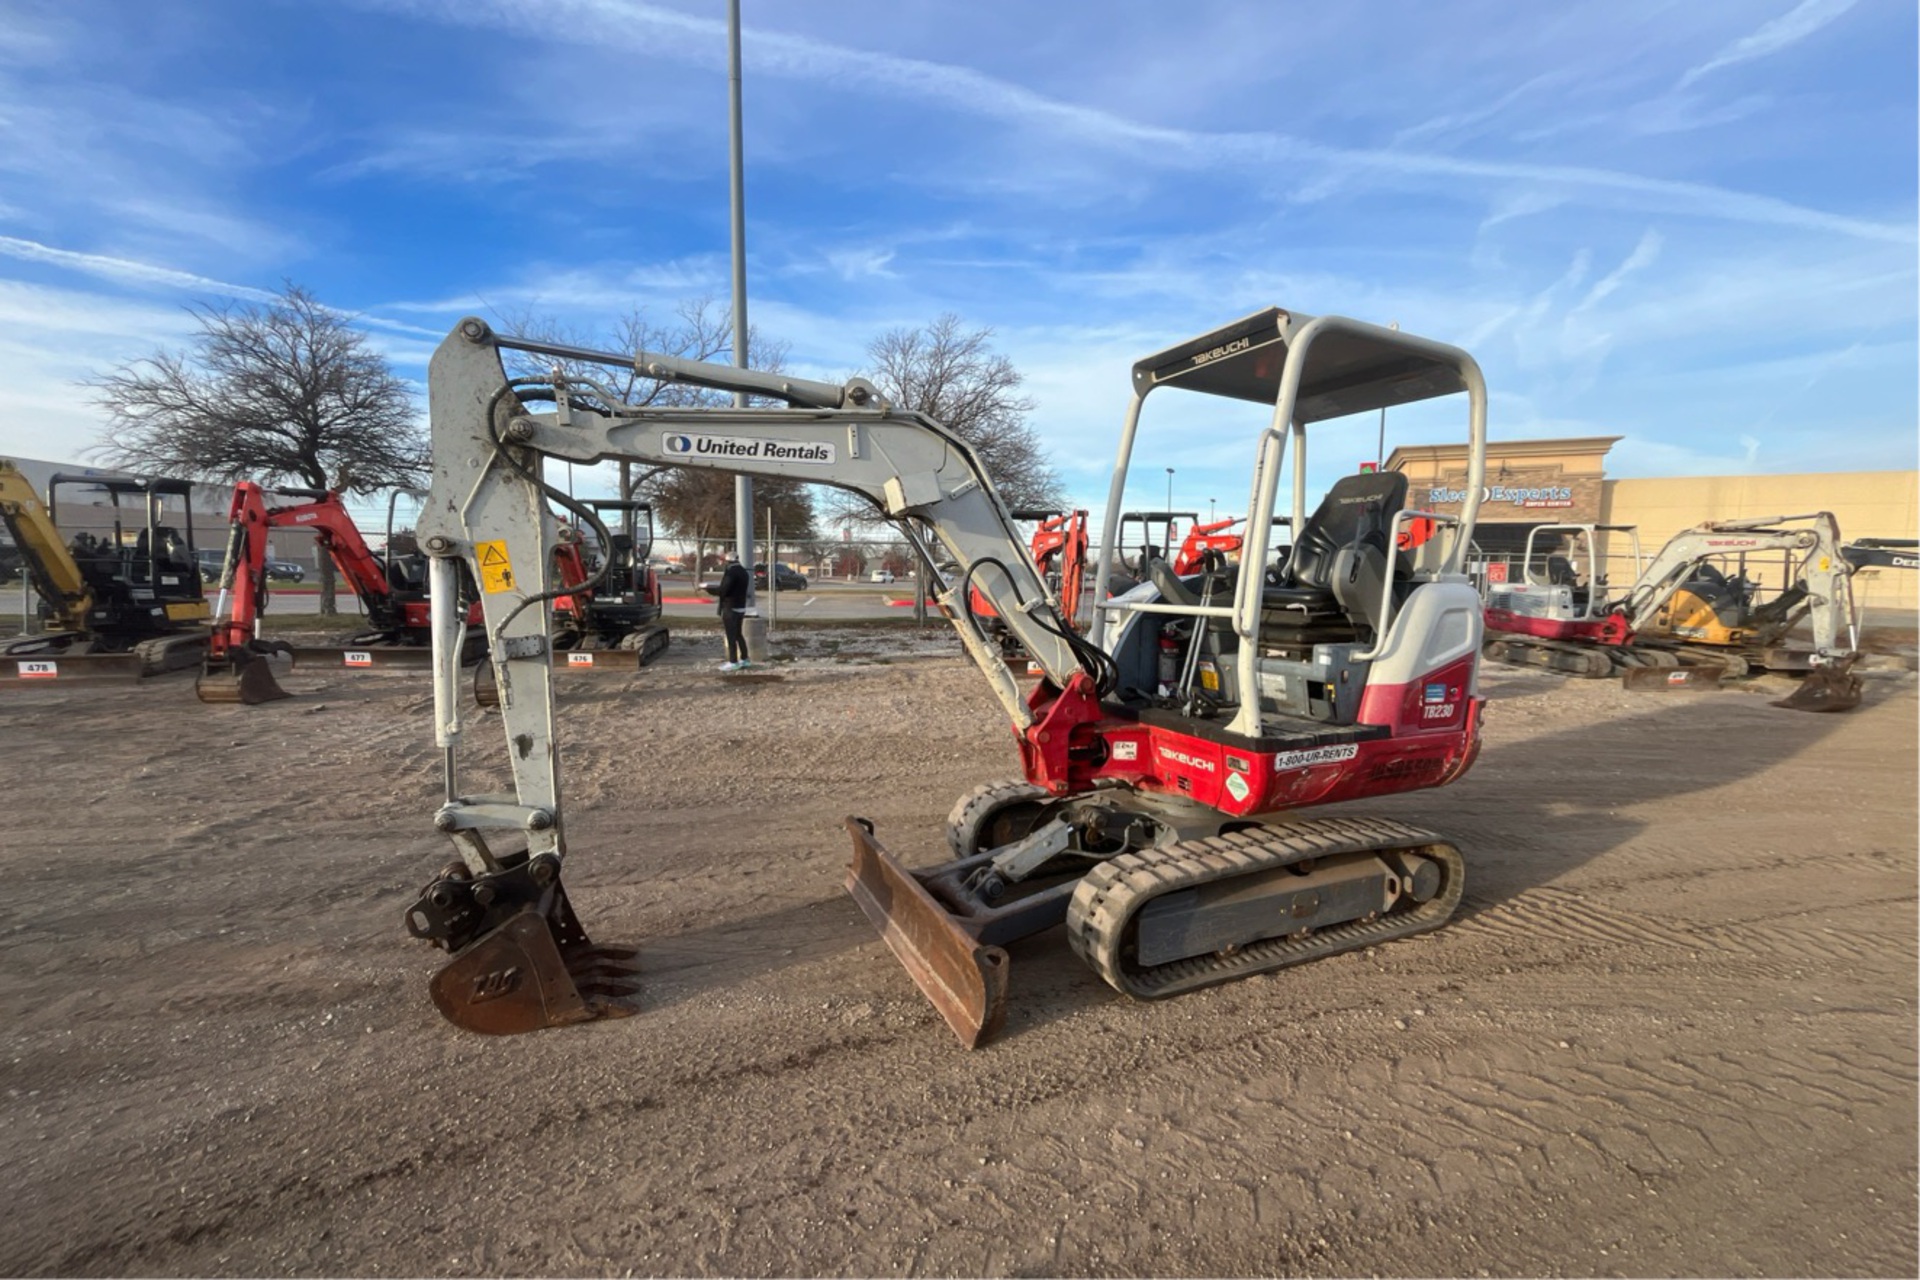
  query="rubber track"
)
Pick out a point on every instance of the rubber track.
point(171, 653)
point(1109, 896)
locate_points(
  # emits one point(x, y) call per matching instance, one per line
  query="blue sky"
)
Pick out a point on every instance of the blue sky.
point(1691, 224)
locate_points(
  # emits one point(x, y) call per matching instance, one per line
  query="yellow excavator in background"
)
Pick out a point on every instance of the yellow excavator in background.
point(126, 604)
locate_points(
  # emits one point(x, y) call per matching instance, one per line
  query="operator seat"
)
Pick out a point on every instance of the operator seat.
point(1341, 559)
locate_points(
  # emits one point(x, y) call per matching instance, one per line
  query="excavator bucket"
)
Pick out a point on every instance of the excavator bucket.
point(247, 680)
point(534, 969)
point(1672, 679)
point(965, 979)
point(1828, 688)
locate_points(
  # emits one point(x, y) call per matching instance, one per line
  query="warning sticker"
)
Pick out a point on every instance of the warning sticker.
point(1126, 750)
point(496, 570)
point(1237, 786)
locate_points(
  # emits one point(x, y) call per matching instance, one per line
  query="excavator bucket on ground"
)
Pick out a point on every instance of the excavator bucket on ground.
point(247, 679)
point(965, 979)
point(521, 960)
point(1825, 688)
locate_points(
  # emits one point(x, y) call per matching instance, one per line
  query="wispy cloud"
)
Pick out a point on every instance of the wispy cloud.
point(661, 32)
point(126, 271)
point(1789, 29)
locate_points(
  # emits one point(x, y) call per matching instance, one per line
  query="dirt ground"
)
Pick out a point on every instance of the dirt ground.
point(1671, 1031)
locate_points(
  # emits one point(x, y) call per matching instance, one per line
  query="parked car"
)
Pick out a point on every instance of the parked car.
point(787, 579)
point(277, 570)
point(880, 575)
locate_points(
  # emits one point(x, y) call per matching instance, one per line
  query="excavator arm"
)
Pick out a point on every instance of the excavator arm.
point(520, 959)
point(50, 565)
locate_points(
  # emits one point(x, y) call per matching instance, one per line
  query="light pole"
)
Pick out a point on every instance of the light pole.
point(1209, 510)
point(1169, 490)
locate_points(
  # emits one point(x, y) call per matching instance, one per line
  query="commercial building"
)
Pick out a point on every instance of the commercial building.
point(1530, 483)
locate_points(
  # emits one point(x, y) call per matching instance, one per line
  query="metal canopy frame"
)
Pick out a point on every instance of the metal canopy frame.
point(1310, 369)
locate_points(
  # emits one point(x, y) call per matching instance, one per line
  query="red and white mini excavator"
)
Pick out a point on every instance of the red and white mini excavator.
point(1154, 815)
point(390, 585)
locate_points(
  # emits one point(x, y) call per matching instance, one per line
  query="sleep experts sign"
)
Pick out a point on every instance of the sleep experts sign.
point(723, 449)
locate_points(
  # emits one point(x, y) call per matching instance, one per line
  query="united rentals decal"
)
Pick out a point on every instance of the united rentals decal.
point(748, 449)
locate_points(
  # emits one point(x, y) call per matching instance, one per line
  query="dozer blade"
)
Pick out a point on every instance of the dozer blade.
point(1671, 679)
point(1833, 688)
point(415, 657)
point(965, 979)
point(248, 680)
point(534, 970)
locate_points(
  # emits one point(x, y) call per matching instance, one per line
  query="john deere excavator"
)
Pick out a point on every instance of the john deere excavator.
point(1693, 616)
point(126, 602)
point(1156, 827)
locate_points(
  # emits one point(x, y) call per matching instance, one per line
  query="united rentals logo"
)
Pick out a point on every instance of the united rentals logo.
point(748, 449)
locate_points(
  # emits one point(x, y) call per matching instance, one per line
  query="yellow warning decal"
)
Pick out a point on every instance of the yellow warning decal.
point(496, 570)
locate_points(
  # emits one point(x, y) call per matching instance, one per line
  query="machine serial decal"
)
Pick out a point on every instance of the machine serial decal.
point(1314, 755)
point(42, 670)
point(745, 448)
point(1126, 751)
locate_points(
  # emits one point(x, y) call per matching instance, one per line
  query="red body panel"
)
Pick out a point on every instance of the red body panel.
point(1613, 629)
point(1434, 735)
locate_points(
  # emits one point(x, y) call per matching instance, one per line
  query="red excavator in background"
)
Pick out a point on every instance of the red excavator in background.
point(1058, 548)
point(612, 601)
point(391, 586)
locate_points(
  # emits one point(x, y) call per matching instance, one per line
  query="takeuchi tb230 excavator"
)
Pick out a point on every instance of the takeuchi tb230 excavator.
point(1155, 826)
point(124, 603)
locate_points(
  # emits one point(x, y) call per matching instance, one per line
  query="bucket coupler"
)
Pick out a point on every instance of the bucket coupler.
point(520, 959)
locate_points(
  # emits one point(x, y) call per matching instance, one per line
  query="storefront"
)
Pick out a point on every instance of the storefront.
point(1529, 483)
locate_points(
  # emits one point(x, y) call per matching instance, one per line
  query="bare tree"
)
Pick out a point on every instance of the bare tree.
point(274, 392)
point(953, 376)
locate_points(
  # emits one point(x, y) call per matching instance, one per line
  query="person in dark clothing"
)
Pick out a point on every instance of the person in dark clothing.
point(734, 585)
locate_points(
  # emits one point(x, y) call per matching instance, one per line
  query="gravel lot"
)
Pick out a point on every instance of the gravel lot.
point(1671, 1031)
